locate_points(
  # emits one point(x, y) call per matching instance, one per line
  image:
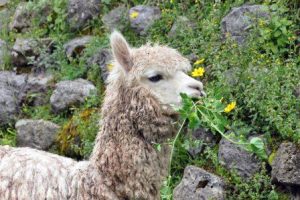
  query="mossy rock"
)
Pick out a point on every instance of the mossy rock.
point(77, 136)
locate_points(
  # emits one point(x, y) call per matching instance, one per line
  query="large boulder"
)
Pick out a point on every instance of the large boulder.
point(80, 12)
point(103, 59)
point(286, 165)
point(75, 46)
point(70, 93)
point(116, 19)
point(142, 17)
point(10, 87)
point(17, 89)
point(237, 159)
point(182, 25)
point(35, 91)
point(240, 20)
point(26, 51)
point(37, 134)
point(199, 184)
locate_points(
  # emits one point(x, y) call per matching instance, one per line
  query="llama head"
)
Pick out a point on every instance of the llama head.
point(160, 69)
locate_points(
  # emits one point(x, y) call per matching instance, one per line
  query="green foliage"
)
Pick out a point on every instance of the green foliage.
point(8, 136)
point(258, 187)
point(260, 76)
point(209, 111)
point(77, 136)
point(276, 33)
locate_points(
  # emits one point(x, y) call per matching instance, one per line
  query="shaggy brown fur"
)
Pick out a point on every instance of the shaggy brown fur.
point(124, 163)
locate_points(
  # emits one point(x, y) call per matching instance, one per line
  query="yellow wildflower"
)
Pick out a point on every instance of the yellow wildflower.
point(261, 22)
point(109, 66)
point(198, 72)
point(230, 107)
point(134, 15)
point(199, 61)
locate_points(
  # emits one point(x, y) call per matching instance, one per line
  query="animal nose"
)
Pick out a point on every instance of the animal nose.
point(195, 87)
point(198, 87)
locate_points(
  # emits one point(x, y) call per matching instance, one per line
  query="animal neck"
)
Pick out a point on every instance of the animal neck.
point(132, 121)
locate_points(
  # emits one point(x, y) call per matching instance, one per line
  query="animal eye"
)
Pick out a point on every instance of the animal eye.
point(155, 78)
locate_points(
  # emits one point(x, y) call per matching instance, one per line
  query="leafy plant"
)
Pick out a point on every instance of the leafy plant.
point(209, 111)
point(8, 136)
point(276, 34)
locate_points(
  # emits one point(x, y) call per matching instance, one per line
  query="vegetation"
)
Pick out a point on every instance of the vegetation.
point(251, 88)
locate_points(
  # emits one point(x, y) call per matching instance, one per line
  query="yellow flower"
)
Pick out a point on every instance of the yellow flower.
point(198, 72)
point(230, 107)
point(261, 22)
point(134, 15)
point(199, 61)
point(109, 66)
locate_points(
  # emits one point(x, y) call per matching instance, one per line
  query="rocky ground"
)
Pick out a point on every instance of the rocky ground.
point(55, 58)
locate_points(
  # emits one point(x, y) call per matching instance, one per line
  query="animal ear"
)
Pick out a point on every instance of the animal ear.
point(121, 50)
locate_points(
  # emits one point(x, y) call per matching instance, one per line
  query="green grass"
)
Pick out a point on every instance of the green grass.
point(260, 76)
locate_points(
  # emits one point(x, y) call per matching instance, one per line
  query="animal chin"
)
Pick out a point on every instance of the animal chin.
point(170, 112)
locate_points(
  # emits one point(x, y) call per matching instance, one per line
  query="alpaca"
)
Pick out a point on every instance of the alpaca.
point(124, 164)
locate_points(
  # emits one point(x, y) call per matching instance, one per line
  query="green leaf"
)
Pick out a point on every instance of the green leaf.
point(157, 146)
point(194, 121)
point(258, 147)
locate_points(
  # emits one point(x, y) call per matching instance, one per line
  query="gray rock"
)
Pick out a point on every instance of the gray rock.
point(24, 50)
point(8, 106)
point(235, 158)
point(145, 18)
point(116, 19)
point(17, 89)
point(182, 25)
point(36, 90)
point(240, 20)
point(199, 184)
point(10, 87)
point(27, 50)
point(37, 134)
point(80, 12)
point(75, 46)
point(21, 19)
point(3, 2)
point(69, 93)
point(286, 165)
point(102, 58)
point(205, 137)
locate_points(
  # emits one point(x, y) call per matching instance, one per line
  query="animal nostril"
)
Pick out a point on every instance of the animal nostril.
point(195, 87)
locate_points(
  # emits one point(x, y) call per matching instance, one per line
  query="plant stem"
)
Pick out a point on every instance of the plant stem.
point(173, 145)
point(217, 129)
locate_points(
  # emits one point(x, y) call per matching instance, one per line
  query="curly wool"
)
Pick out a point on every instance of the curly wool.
point(123, 165)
